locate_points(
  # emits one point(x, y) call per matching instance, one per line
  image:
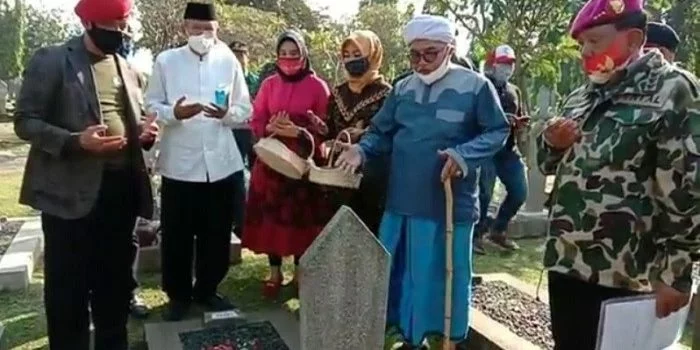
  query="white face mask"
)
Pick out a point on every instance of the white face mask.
point(202, 43)
point(437, 74)
point(502, 72)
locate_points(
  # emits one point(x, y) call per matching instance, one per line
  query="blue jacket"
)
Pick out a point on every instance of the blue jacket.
point(459, 113)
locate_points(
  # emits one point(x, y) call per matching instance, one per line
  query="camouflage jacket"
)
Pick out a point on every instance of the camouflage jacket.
point(626, 201)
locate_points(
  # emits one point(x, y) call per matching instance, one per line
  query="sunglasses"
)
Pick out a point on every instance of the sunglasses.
point(428, 56)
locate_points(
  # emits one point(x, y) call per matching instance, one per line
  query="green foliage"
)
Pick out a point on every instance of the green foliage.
point(324, 45)
point(44, 28)
point(387, 22)
point(295, 12)
point(257, 28)
point(12, 26)
point(161, 23)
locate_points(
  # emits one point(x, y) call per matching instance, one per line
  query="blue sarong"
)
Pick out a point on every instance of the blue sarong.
point(417, 284)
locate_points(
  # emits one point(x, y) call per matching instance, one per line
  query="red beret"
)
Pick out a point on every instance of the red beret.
point(103, 10)
point(598, 12)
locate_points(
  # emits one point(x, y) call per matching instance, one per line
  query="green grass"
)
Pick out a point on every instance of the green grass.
point(10, 182)
point(23, 312)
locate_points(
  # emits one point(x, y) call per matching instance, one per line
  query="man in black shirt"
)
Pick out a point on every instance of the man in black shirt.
point(507, 163)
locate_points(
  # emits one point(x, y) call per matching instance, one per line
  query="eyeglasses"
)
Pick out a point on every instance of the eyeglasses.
point(428, 56)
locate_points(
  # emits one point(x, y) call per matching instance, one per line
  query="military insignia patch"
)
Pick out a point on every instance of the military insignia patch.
point(618, 6)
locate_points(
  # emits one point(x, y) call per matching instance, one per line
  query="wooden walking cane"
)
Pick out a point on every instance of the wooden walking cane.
point(449, 233)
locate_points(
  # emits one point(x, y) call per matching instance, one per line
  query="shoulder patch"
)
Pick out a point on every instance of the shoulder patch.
point(692, 82)
point(643, 100)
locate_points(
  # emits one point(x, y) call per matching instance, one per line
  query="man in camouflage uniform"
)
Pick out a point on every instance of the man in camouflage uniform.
point(625, 209)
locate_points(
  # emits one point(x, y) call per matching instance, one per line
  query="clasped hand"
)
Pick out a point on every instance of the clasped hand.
point(281, 125)
point(93, 139)
point(184, 111)
point(562, 133)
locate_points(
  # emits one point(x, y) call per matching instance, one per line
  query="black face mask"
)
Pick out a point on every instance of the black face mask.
point(108, 41)
point(357, 68)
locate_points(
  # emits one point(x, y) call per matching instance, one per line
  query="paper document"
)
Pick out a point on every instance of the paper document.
point(631, 324)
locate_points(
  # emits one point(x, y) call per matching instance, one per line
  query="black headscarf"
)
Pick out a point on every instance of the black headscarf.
point(298, 40)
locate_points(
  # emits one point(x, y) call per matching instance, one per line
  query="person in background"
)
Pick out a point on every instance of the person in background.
point(86, 175)
point(438, 124)
point(240, 49)
point(199, 93)
point(242, 133)
point(267, 70)
point(626, 154)
point(352, 105)
point(139, 309)
point(662, 36)
point(284, 215)
point(507, 163)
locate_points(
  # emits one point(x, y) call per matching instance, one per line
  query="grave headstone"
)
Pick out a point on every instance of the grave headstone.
point(3, 343)
point(13, 87)
point(544, 102)
point(536, 180)
point(3, 97)
point(344, 287)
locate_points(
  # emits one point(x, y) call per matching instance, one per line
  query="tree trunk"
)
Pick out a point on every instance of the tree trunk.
point(676, 19)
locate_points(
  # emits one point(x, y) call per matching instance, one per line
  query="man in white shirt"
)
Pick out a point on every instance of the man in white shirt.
point(199, 93)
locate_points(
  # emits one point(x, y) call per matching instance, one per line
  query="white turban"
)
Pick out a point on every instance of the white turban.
point(429, 27)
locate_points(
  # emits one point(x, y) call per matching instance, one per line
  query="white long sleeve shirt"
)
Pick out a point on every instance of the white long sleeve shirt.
point(199, 149)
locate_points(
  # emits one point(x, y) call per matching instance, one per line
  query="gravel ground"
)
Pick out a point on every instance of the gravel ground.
point(521, 313)
point(8, 231)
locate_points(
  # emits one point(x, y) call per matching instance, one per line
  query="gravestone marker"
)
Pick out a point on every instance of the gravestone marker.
point(3, 344)
point(13, 87)
point(344, 287)
point(536, 180)
point(3, 97)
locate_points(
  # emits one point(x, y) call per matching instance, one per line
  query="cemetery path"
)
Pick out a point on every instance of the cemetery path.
point(13, 151)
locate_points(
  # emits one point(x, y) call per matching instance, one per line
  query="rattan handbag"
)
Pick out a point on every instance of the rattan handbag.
point(275, 154)
point(331, 176)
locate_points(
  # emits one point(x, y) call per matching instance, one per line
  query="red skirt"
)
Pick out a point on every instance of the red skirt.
point(283, 216)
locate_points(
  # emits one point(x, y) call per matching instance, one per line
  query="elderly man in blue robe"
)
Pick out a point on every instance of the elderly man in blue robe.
point(439, 124)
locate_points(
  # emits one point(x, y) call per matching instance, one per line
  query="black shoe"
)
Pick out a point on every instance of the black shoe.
point(501, 241)
point(478, 246)
point(402, 346)
point(138, 308)
point(215, 303)
point(176, 311)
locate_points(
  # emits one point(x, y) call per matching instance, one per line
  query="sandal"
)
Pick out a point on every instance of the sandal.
point(271, 288)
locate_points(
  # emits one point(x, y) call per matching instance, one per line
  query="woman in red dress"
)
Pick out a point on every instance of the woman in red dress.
point(284, 216)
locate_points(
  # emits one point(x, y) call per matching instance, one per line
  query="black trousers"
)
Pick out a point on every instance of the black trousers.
point(88, 263)
point(206, 211)
point(245, 141)
point(575, 309)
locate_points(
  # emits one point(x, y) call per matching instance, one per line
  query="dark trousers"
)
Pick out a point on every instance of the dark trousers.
point(88, 263)
point(245, 141)
point(206, 211)
point(510, 169)
point(575, 309)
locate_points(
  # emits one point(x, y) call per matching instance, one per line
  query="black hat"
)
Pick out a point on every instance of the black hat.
point(238, 46)
point(662, 35)
point(200, 11)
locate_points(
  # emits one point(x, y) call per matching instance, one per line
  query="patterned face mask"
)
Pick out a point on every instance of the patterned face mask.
point(290, 66)
point(600, 67)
